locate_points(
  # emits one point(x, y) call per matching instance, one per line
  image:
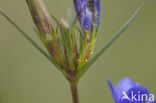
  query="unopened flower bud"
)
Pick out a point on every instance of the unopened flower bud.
point(64, 23)
point(40, 16)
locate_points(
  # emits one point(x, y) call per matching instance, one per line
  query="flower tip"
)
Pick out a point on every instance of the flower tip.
point(64, 23)
point(108, 80)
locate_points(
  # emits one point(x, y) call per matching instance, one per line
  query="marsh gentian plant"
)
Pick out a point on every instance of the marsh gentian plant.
point(128, 91)
point(60, 41)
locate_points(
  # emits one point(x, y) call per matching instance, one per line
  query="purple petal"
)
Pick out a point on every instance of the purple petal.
point(77, 6)
point(139, 90)
point(86, 22)
point(155, 100)
point(123, 85)
point(97, 5)
point(127, 91)
point(78, 9)
point(112, 90)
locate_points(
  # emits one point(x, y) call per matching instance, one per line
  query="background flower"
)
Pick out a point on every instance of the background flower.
point(126, 89)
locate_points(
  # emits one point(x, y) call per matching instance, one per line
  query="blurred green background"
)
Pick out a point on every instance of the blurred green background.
point(28, 77)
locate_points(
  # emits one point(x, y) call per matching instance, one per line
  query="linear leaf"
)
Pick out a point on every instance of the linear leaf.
point(112, 40)
point(33, 43)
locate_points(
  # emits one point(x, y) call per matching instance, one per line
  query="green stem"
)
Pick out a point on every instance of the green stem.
point(74, 91)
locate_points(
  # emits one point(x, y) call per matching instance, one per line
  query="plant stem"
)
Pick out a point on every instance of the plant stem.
point(74, 91)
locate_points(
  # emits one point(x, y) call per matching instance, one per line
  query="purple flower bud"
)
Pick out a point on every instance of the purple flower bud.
point(128, 91)
point(88, 12)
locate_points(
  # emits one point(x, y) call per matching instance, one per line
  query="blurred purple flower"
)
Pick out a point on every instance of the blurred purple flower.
point(128, 91)
point(88, 12)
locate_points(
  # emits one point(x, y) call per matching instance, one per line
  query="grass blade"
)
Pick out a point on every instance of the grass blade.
point(33, 43)
point(112, 40)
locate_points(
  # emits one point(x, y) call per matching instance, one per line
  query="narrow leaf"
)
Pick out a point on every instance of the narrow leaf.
point(33, 43)
point(111, 41)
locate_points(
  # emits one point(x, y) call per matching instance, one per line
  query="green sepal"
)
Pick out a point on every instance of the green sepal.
point(65, 35)
point(86, 48)
point(57, 22)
